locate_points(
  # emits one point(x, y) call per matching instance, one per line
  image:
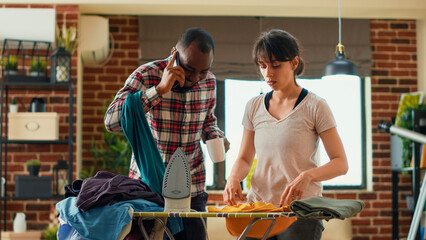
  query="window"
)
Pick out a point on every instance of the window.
point(344, 95)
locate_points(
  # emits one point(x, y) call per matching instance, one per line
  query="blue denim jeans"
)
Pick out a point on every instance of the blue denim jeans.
point(302, 229)
point(193, 227)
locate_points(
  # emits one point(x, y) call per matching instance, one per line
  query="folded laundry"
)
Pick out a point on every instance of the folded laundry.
point(326, 208)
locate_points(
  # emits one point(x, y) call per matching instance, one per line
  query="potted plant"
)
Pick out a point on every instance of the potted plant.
point(10, 65)
point(33, 167)
point(13, 107)
point(37, 66)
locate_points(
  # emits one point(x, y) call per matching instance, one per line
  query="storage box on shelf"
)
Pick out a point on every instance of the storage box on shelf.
point(33, 187)
point(28, 235)
point(34, 126)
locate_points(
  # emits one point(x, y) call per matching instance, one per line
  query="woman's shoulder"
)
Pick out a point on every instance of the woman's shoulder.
point(314, 103)
point(256, 101)
point(313, 99)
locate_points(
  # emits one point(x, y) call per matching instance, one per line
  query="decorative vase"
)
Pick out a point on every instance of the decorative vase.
point(19, 223)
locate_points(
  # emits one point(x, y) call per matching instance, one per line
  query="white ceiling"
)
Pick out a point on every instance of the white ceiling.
point(401, 9)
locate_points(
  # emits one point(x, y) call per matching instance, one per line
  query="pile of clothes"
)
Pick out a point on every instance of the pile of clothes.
point(101, 207)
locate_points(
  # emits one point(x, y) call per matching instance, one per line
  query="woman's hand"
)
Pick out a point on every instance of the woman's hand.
point(232, 191)
point(295, 190)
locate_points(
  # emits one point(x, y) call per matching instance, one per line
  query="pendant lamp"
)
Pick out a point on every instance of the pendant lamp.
point(340, 65)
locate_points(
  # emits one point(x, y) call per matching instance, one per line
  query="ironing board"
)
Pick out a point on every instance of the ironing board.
point(258, 216)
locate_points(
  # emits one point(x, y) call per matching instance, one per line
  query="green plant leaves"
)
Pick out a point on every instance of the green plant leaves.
point(113, 155)
point(67, 38)
point(38, 64)
point(405, 120)
point(10, 63)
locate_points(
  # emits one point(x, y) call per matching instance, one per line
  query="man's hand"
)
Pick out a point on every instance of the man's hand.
point(226, 144)
point(170, 76)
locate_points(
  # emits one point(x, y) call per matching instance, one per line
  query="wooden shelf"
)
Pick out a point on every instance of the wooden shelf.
point(36, 85)
point(35, 141)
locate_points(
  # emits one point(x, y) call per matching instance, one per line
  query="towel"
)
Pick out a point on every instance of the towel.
point(326, 208)
point(137, 131)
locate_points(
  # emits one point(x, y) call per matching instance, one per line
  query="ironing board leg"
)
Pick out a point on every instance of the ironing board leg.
point(166, 229)
point(142, 228)
point(252, 222)
point(269, 228)
point(161, 221)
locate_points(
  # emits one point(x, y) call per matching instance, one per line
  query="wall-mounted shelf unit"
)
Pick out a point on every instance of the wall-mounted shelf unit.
point(4, 141)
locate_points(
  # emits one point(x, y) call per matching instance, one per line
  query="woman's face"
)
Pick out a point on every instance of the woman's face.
point(278, 75)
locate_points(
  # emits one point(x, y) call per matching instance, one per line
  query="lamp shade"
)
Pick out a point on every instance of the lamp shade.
point(340, 66)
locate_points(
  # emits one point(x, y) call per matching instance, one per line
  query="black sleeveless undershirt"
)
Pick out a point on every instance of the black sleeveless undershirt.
point(302, 95)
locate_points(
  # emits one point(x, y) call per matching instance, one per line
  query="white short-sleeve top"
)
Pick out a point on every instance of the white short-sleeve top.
point(285, 147)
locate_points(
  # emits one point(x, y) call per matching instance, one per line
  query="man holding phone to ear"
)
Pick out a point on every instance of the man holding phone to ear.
point(179, 98)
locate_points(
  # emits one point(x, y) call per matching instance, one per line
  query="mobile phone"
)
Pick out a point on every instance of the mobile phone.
point(177, 60)
point(176, 63)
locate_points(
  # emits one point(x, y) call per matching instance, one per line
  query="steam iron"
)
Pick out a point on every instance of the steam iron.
point(177, 184)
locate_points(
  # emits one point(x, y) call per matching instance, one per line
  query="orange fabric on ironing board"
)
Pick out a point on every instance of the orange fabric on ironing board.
point(236, 226)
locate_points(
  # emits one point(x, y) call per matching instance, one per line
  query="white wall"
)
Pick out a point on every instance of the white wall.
point(407, 9)
point(28, 24)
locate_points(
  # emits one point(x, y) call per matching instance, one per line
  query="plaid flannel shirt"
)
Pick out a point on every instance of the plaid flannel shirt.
point(177, 119)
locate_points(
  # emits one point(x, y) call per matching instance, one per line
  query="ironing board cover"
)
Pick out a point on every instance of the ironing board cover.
point(137, 131)
point(236, 226)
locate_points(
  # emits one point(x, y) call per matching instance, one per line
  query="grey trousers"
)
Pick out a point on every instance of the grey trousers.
point(301, 229)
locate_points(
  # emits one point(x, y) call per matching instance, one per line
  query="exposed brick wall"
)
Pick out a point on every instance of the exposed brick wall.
point(37, 211)
point(100, 84)
point(394, 71)
point(394, 67)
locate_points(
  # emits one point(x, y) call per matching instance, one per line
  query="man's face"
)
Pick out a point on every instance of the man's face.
point(195, 63)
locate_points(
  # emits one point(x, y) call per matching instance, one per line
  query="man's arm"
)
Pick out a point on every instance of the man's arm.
point(151, 96)
point(210, 128)
point(134, 83)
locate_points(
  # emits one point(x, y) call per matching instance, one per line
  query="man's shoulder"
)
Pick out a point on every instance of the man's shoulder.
point(153, 66)
point(211, 75)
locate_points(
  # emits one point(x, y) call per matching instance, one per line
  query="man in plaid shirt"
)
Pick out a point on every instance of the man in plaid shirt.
point(179, 101)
